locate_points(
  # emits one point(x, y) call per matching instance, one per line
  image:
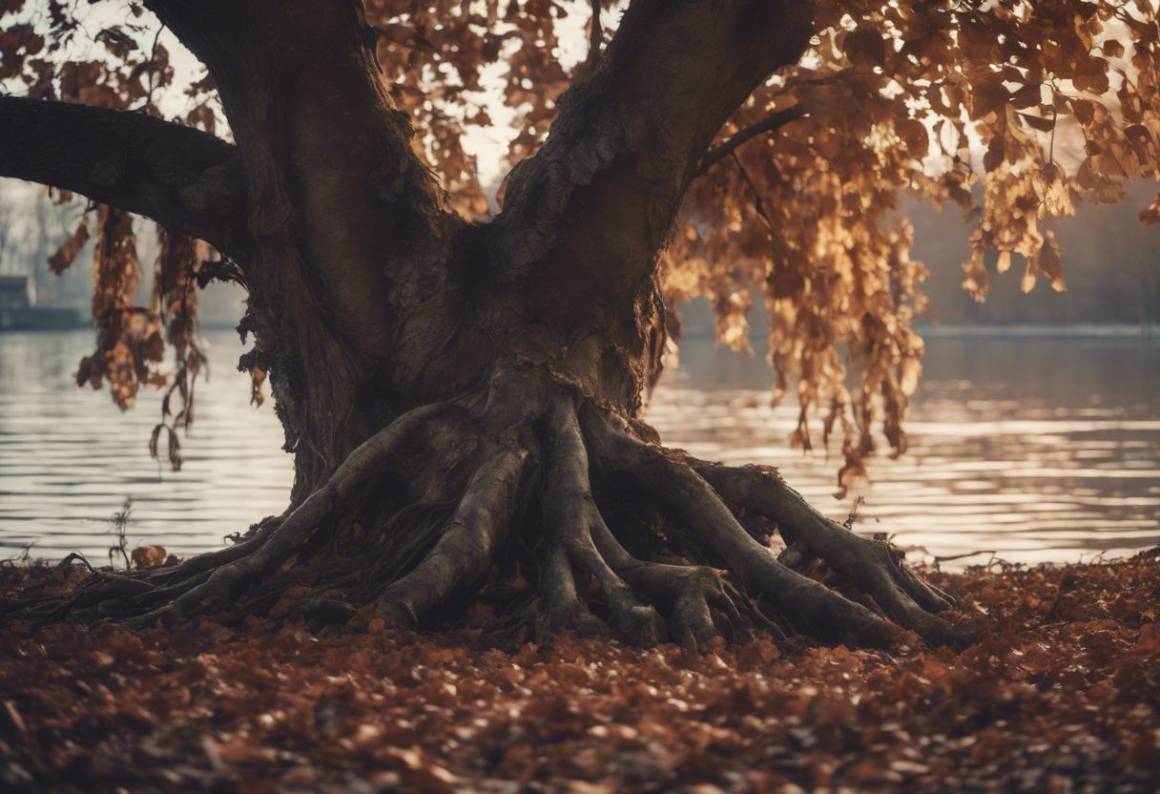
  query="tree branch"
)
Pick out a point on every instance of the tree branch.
point(758, 204)
point(595, 33)
point(184, 179)
point(599, 199)
point(773, 122)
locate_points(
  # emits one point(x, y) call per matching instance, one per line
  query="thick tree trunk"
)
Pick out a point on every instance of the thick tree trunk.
point(350, 243)
point(453, 392)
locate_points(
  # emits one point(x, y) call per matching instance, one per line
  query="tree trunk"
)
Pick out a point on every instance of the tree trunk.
point(457, 395)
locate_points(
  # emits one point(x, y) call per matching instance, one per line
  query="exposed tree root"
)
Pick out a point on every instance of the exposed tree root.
point(469, 470)
point(466, 547)
point(487, 511)
point(873, 566)
point(810, 606)
point(570, 516)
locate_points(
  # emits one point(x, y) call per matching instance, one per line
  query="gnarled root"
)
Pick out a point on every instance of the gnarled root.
point(873, 566)
point(696, 492)
point(467, 544)
point(696, 599)
point(693, 503)
point(486, 513)
point(483, 461)
point(569, 515)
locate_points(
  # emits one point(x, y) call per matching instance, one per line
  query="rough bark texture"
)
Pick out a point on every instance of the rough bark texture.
point(450, 391)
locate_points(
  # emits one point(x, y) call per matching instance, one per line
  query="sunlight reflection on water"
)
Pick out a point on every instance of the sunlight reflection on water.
point(1038, 449)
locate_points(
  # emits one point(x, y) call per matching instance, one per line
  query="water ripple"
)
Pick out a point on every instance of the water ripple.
point(1016, 447)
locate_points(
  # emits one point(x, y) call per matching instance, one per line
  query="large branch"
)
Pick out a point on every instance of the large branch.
point(602, 194)
point(184, 179)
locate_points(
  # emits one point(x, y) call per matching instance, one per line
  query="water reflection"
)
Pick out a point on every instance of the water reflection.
point(1038, 449)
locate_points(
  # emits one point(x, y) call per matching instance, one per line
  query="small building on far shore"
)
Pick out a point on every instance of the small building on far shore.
point(15, 293)
point(19, 312)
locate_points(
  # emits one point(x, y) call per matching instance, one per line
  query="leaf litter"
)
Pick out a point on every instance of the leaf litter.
point(1060, 693)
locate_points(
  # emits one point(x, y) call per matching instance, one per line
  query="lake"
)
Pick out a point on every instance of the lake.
point(1026, 448)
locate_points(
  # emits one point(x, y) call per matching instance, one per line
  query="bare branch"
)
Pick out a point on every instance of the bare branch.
point(758, 203)
point(184, 179)
point(773, 122)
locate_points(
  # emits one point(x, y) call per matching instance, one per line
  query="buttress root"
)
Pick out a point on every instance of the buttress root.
point(514, 467)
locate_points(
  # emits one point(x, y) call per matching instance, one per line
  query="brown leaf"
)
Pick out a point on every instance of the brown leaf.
point(64, 256)
point(148, 556)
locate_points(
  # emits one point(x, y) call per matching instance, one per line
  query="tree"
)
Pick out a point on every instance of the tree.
point(462, 394)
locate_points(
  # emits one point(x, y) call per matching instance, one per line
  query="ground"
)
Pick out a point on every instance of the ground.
point(1059, 694)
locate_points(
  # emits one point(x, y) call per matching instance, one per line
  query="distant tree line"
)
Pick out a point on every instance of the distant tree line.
point(1111, 263)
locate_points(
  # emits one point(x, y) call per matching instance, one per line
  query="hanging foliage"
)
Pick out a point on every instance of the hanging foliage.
point(1013, 110)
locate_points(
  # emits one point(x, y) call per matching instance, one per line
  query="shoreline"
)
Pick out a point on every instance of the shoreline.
point(1148, 331)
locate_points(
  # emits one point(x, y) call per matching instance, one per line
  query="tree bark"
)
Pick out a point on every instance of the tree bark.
point(349, 280)
point(590, 212)
point(185, 180)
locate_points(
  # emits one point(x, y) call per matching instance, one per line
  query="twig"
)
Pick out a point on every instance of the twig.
point(758, 204)
point(76, 555)
point(120, 520)
point(964, 555)
point(852, 517)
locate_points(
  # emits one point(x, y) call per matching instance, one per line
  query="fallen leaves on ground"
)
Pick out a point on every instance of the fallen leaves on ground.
point(1060, 694)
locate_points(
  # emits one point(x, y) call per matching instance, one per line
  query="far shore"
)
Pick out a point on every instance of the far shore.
point(697, 331)
point(1147, 331)
point(1093, 330)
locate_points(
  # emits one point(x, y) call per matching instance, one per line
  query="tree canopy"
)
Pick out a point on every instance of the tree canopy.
point(1012, 110)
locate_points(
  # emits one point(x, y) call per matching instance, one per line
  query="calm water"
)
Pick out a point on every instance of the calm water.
point(1035, 449)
